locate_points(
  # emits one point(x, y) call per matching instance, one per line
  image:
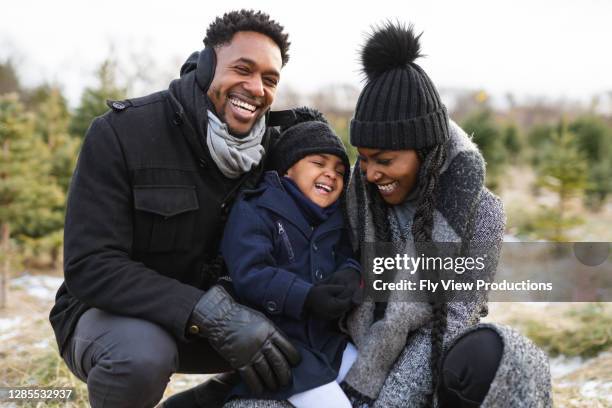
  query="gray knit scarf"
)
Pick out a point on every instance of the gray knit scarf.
point(233, 155)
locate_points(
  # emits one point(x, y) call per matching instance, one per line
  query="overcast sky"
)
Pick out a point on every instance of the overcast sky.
point(545, 48)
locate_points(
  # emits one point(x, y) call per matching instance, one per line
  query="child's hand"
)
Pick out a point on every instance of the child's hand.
point(350, 279)
point(328, 302)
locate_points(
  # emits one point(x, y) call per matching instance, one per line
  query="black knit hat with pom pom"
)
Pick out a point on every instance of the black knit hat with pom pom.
point(308, 134)
point(399, 108)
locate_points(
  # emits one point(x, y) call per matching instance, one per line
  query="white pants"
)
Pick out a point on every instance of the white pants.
point(328, 395)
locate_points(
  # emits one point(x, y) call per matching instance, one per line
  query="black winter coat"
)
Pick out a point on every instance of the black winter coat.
point(146, 209)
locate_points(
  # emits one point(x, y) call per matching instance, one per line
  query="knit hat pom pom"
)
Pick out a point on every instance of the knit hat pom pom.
point(388, 47)
point(306, 114)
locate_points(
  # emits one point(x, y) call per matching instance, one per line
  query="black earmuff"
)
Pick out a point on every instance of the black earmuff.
point(207, 62)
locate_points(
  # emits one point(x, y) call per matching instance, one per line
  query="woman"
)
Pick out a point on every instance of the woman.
point(419, 179)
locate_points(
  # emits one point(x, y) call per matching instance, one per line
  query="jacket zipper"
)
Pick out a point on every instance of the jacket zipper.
point(285, 238)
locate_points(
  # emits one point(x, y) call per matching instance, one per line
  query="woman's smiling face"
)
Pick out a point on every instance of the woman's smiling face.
point(393, 171)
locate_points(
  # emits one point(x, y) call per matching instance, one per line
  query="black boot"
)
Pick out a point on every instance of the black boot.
point(209, 394)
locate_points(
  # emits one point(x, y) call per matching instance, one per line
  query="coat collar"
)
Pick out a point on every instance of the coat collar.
point(276, 199)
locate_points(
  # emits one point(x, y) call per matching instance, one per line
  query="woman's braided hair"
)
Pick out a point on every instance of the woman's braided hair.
point(422, 231)
point(382, 231)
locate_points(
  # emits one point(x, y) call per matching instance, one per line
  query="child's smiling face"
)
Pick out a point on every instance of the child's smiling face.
point(320, 177)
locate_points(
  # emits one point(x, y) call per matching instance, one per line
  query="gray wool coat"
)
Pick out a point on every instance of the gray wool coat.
point(393, 366)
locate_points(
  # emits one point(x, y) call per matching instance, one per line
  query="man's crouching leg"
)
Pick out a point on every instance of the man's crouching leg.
point(126, 362)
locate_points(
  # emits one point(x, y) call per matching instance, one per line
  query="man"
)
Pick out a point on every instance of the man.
point(146, 209)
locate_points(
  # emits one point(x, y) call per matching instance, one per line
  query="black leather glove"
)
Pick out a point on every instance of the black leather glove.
point(325, 301)
point(246, 339)
point(350, 279)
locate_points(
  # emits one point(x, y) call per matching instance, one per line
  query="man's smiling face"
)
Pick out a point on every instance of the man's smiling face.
point(246, 76)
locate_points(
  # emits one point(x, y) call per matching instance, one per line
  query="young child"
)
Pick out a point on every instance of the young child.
point(288, 255)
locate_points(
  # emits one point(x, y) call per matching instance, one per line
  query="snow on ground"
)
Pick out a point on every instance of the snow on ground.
point(8, 323)
point(588, 385)
point(42, 287)
point(595, 389)
point(562, 365)
point(7, 326)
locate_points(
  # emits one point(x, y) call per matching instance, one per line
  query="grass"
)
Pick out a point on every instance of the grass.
point(29, 357)
point(586, 332)
point(42, 369)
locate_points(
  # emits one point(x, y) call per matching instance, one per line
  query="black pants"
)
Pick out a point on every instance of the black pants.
point(128, 362)
point(468, 368)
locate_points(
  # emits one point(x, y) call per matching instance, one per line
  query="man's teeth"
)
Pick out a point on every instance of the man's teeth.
point(242, 104)
point(387, 188)
point(324, 187)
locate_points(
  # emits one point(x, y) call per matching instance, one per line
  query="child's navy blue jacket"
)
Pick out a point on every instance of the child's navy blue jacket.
point(274, 256)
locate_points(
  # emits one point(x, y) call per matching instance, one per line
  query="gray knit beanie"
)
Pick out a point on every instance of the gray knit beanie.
point(309, 134)
point(399, 108)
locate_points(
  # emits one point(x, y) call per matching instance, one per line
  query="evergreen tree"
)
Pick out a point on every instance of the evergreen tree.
point(43, 237)
point(563, 171)
point(594, 139)
point(93, 100)
point(52, 125)
point(512, 142)
point(538, 139)
point(9, 82)
point(486, 134)
point(28, 194)
point(599, 183)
